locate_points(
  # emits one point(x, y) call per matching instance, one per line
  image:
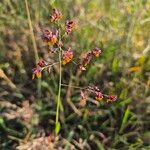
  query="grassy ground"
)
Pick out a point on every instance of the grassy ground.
point(28, 107)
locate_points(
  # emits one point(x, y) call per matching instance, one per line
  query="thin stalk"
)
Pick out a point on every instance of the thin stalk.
point(34, 44)
point(57, 124)
point(75, 63)
point(32, 33)
point(50, 65)
point(59, 89)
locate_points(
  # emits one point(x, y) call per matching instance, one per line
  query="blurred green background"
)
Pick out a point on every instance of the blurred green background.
point(121, 28)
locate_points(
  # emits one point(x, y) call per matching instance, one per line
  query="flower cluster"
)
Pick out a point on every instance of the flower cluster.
point(67, 56)
point(54, 38)
point(37, 72)
point(50, 37)
point(94, 53)
point(111, 98)
point(70, 25)
point(97, 94)
point(56, 15)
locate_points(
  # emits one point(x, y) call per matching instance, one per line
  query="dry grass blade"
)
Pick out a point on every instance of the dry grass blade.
point(32, 33)
point(9, 82)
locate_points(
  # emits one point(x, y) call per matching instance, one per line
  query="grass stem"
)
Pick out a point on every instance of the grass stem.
point(34, 45)
point(57, 124)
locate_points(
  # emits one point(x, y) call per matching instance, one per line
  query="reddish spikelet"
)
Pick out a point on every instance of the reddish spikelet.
point(93, 89)
point(42, 63)
point(70, 25)
point(56, 15)
point(111, 98)
point(98, 96)
point(50, 37)
point(96, 52)
point(67, 56)
point(37, 72)
point(85, 62)
point(87, 59)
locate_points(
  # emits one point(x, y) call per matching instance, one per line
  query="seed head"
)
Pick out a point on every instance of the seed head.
point(42, 63)
point(67, 56)
point(111, 98)
point(99, 96)
point(36, 72)
point(70, 25)
point(96, 52)
point(50, 37)
point(85, 62)
point(56, 15)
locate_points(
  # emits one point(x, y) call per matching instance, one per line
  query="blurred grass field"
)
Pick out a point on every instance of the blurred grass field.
point(122, 30)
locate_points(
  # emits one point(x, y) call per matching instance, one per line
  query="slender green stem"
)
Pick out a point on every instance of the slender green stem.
point(59, 90)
